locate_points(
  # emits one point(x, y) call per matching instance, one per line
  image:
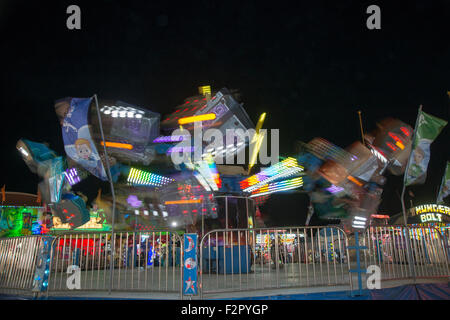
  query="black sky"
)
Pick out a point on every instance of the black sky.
point(310, 65)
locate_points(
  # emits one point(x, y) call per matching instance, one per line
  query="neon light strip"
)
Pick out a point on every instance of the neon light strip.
point(352, 179)
point(72, 176)
point(174, 138)
point(284, 168)
point(140, 177)
point(202, 117)
point(118, 145)
point(183, 201)
point(284, 174)
point(278, 186)
point(273, 191)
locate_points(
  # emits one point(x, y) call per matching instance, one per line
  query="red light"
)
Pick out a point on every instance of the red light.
point(380, 216)
point(405, 131)
point(186, 102)
point(194, 210)
point(204, 99)
point(390, 145)
point(185, 109)
point(195, 100)
point(393, 136)
point(64, 210)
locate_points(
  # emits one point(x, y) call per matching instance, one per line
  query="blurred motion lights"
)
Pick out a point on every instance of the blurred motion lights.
point(122, 112)
point(183, 201)
point(72, 176)
point(202, 117)
point(117, 145)
point(278, 186)
point(139, 177)
point(285, 168)
point(173, 138)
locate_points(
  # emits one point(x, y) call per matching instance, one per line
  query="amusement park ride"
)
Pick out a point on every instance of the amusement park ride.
point(133, 148)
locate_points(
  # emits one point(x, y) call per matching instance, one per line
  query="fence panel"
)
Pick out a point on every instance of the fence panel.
point(143, 261)
point(230, 260)
point(266, 258)
point(18, 257)
point(430, 255)
point(406, 252)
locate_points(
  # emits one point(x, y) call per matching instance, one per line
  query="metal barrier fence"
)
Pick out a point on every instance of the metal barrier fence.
point(268, 258)
point(406, 252)
point(18, 257)
point(143, 261)
point(229, 260)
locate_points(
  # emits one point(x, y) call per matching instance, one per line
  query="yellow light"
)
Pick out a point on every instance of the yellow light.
point(400, 145)
point(352, 179)
point(255, 151)
point(260, 122)
point(202, 117)
point(183, 201)
point(258, 126)
point(204, 90)
point(117, 145)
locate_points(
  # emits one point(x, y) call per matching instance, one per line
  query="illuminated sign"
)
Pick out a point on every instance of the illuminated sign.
point(431, 208)
point(430, 213)
point(93, 223)
point(204, 90)
point(431, 217)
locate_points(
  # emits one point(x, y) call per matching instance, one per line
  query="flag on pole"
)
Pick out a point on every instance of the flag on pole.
point(428, 128)
point(444, 190)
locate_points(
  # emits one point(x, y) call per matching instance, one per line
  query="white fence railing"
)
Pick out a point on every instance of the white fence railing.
point(269, 258)
point(406, 252)
point(142, 261)
point(229, 260)
point(18, 258)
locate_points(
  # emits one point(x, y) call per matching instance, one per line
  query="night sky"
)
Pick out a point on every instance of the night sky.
point(310, 67)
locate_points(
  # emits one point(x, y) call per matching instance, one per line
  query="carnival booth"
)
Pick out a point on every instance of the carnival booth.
point(21, 214)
